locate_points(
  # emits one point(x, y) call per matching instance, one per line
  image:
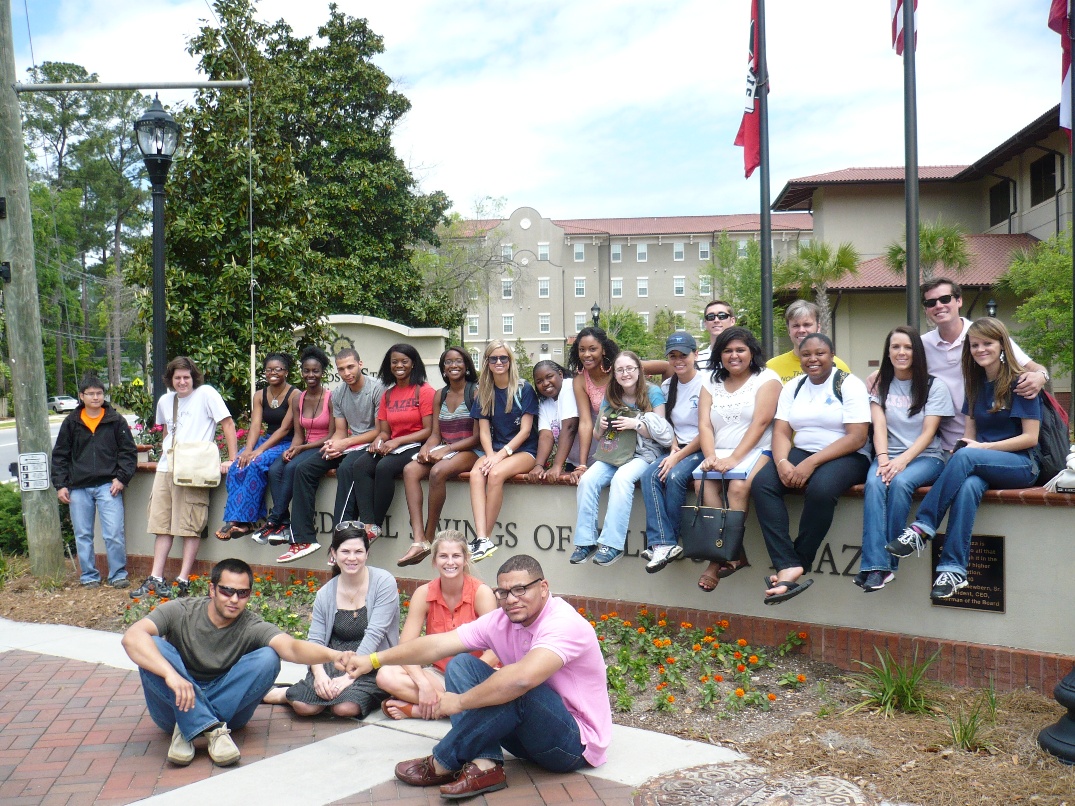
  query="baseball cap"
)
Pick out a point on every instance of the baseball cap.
point(681, 341)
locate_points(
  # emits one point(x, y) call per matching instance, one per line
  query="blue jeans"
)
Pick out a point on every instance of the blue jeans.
point(282, 483)
point(535, 726)
point(959, 489)
point(886, 507)
point(230, 698)
point(85, 501)
point(621, 483)
point(664, 498)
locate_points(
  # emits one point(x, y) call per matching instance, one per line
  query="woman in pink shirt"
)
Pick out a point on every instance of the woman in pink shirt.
point(455, 597)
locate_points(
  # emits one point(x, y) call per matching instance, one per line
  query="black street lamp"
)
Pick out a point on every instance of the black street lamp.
point(595, 312)
point(991, 307)
point(158, 136)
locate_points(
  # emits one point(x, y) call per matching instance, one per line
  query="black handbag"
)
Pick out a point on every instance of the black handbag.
point(711, 533)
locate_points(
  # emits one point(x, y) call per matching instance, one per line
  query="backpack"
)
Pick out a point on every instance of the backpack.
point(837, 384)
point(1053, 440)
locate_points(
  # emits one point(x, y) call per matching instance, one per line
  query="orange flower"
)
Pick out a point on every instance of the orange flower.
point(626, 624)
point(704, 678)
point(708, 639)
point(194, 577)
point(289, 593)
point(582, 611)
point(643, 612)
point(662, 686)
point(740, 668)
point(803, 636)
point(600, 638)
point(725, 624)
point(663, 614)
point(613, 614)
point(668, 642)
point(685, 625)
point(136, 601)
point(152, 608)
point(641, 630)
point(697, 648)
point(657, 643)
point(669, 660)
point(604, 617)
point(772, 697)
point(662, 623)
point(593, 623)
point(737, 654)
point(801, 678)
point(752, 659)
point(740, 693)
point(660, 668)
point(671, 698)
point(718, 678)
point(257, 593)
point(709, 630)
point(742, 642)
point(163, 599)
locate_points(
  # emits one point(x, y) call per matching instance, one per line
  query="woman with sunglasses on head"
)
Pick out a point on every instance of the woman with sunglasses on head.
point(907, 408)
point(405, 422)
point(312, 424)
point(448, 452)
point(357, 610)
point(558, 424)
point(999, 450)
point(248, 475)
point(591, 358)
point(631, 404)
point(506, 411)
point(454, 597)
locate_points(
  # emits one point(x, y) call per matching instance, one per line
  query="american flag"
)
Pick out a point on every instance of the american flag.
point(1058, 21)
point(897, 25)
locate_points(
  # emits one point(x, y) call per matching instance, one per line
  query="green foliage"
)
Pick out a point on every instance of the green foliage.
point(628, 329)
point(522, 360)
point(889, 687)
point(814, 267)
point(940, 246)
point(1041, 277)
point(12, 529)
point(737, 280)
point(665, 323)
point(136, 397)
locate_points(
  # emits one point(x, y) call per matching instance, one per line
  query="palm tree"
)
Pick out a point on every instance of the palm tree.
point(939, 245)
point(815, 267)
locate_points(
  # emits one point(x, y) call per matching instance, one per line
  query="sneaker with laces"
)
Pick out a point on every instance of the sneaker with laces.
point(92, 584)
point(582, 553)
point(180, 589)
point(221, 747)
point(606, 555)
point(280, 535)
point(860, 578)
point(646, 555)
point(180, 751)
point(119, 583)
point(297, 550)
point(261, 535)
point(372, 532)
point(910, 541)
point(946, 584)
point(481, 547)
point(662, 555)
point(152, 584)
point(876, 580)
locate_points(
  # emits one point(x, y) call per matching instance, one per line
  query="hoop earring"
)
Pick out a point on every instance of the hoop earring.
point(1003, 360)
point(606, 364)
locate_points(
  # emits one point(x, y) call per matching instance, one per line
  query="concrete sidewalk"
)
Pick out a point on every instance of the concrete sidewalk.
point(74, 729)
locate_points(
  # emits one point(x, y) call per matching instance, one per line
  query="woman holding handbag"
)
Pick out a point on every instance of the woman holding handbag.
point(735, 429)
point(632, 433)
point(190, 413)
point(819, 447)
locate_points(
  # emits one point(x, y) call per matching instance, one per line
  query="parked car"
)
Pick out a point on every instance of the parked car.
point(62, 403)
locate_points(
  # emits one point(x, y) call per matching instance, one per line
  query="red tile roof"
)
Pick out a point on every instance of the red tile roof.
point(990, 256)
point(684, 225)
point(798, 193)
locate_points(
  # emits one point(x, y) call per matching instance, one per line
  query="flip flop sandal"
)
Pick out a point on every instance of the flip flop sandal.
point(405, 708)
point(792, 589)
point(414, 559)
point(707, 577)
point(737, 565)
point(228, 531)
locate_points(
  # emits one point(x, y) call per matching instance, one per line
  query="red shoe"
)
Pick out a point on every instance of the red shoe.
point(473, 781)
point(297, 550)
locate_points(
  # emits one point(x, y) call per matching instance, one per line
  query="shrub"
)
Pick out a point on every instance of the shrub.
point(12, 529)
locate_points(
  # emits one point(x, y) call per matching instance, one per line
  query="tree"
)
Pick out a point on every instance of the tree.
point(816, 266)
point(1041, 276)
point(522, 360)
point(940, 245)
point(628, 329)
point(737, 280)
point(665, 323)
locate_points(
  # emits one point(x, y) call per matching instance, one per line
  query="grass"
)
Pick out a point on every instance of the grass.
point(890, 687)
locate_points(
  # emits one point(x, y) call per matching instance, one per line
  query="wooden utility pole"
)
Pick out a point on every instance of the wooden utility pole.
point(39, 506)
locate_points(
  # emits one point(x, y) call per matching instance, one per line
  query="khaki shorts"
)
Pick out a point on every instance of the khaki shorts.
point(178, 511)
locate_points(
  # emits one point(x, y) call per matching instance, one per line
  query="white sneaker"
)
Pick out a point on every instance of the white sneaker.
point(180, 751)
point(297, 550)
point(662, 555)
point(221, 748)
point(481, 547)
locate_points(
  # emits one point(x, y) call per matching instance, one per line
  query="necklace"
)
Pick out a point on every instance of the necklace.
point(274, 402)
point(317, 406)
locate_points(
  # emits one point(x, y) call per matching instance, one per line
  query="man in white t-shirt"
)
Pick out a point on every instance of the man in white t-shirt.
point(717, 317)
point(942, 299)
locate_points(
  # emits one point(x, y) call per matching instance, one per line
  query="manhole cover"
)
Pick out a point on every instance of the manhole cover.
point(745, 784)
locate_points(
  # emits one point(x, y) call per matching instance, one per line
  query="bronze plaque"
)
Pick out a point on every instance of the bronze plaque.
point(985, 573)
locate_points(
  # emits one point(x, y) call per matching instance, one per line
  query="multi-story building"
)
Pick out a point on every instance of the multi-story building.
point(562, 268)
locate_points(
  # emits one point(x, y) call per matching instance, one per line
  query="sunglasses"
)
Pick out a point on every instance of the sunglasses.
point(502, 593)
point(944, 300)
point(499, 359)
point(709, 317)
point(349, 525)
point(242, 593)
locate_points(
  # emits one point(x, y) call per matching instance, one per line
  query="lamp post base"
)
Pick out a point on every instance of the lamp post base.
point(1059, 739)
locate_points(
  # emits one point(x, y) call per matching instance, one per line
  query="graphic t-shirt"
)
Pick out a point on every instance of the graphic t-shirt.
point(902, 429)
point(403, 409)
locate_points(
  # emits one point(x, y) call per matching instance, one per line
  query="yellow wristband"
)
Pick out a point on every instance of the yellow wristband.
point(376, 664)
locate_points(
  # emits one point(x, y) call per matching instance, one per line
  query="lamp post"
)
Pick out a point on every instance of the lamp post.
point(158, 136)
point(991, 307)
point(595, 312)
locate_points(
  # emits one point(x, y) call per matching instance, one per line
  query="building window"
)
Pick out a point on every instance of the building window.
point(643, 286)
point(1042, 179)
point(475, 356)
point(645, 318)
point(506, 252)
point(473, 292)
point(509, 324)
point(703, 251)
point(617, 287)
point(617, 252)
point(544, 323)
point(1000, 201)
point(543, 287)
point(679, 286)
point(677, 251)
point(742, 250)
point(580, 286)
point(804, 242)
point(580, 321)
point(472, 326)
point(642, 253)
point(580, 252)
point(505, 288)
point(543, 251)
point(705, 285)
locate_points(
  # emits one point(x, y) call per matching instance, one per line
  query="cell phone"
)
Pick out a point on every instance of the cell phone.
point(959, 444)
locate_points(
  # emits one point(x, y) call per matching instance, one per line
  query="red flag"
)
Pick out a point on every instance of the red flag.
point(749, 136)
point(897, 25)
point(1058, 21)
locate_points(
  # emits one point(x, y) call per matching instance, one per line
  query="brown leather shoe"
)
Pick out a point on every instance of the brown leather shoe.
point(421, 772)
point(474, 781)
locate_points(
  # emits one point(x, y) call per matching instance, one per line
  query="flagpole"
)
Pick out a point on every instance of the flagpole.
point(1071, 208)
point(766, 219)
point(910, 159)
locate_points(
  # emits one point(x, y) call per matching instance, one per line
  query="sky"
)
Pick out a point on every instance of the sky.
point(599, 108)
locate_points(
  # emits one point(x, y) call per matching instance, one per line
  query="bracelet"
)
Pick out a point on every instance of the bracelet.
point(374, 662)
point(785, 459)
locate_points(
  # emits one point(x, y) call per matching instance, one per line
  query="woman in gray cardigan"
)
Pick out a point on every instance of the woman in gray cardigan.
point(357, 611)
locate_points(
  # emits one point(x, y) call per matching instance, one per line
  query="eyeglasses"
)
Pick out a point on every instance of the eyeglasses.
point(275, 371)
point(709, 317)
point(349, 525)
point(499, 359)
point(242, 593)
point(943, 299)
point(626, 370)
point(454, 362)
point(502, 593)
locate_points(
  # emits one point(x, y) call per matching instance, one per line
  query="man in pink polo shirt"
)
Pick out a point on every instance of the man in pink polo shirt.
point(548, 703)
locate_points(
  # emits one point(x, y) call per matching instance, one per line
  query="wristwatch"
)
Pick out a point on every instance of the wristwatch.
point(508, 450)
point(1045, 372)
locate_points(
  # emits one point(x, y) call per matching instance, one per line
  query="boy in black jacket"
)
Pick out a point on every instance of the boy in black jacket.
point(94, 459)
